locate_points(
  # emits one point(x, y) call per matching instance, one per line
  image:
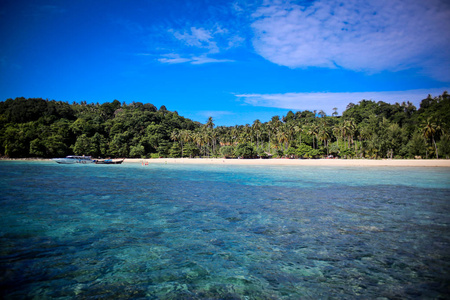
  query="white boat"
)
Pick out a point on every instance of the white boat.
point(74, 159)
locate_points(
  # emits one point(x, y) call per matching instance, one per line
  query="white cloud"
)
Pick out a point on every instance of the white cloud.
point(327, 101)
point(198, 45)
point(205, 60)
point(197, 37)
point(359, 35)
point(194, 60)
point(173, 59)
point(237, 8)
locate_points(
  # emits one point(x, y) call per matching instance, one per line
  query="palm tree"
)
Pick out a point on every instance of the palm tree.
point(206, 134)
point(335, 113)
point(248, 133)
point(282, 137)
point(241, 134)
point(198, 139)
point(234, 134)
point(184, 136)
point(273, 126)
point(265, 133)
point(257, 130)
point(214, 136)
point(324, 135)
point(313, 131)
point(322, 114)
point(364, 134)
point(210, 124)
point(298, 129)
point(225, 136)
point(431, 130)
point(290, 132)
point(175, 135)
point(348, 130)
point(337, 131)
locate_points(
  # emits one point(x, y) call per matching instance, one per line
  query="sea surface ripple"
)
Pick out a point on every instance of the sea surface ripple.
point(223, 232)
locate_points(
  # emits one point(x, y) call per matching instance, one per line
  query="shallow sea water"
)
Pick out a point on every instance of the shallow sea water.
point(223, 232)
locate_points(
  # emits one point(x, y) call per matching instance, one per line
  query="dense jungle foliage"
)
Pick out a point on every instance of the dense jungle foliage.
point(42, 128)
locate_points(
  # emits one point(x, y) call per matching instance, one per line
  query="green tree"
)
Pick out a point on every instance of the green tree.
point(50, 146)
point(16, 139)
point(335, 113)
point(191, 150)
point(118, 147)
point(245, 150)
point(98, 145)
point(324, 135)
point(82, 145)
point(303, 150)
point(163, 148)
point(175, 151)
point(431, 130)
point(256, 127)
point(416, 146)
point(49, 128)
point(227, 151)
point(444, 145)
point(291, 151)
point(137, 151)
point(313, 131)
point(210, 123)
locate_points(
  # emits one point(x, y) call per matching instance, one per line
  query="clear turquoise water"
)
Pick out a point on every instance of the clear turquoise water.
point(223, 232)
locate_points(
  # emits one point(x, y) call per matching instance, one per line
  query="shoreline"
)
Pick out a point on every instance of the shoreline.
point(299, 162)
point(445, 163)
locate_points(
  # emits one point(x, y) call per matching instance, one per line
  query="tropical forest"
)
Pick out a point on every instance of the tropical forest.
point(45, 128)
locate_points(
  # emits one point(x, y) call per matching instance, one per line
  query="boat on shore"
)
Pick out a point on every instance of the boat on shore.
point(108, 161)
point(74, 159)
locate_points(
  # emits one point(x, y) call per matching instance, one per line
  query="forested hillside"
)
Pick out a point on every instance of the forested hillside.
point(42, 128)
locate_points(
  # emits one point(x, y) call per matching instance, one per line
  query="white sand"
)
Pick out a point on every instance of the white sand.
point(300, 162)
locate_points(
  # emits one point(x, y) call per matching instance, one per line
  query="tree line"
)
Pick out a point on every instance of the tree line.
point(36, 127)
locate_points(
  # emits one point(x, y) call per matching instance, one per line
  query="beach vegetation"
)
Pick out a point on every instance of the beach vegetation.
point(227, 151)
point(290, 152)
point(137, 151)
point(38, 127)
point(175, 151)
point(245, 150)
point(304, 151)
point(261, 153)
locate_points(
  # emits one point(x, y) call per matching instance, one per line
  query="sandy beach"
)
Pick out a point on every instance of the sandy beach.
point(300, 162)
point(282, 162)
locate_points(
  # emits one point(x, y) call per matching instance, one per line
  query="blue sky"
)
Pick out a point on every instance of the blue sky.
point(234, 60)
